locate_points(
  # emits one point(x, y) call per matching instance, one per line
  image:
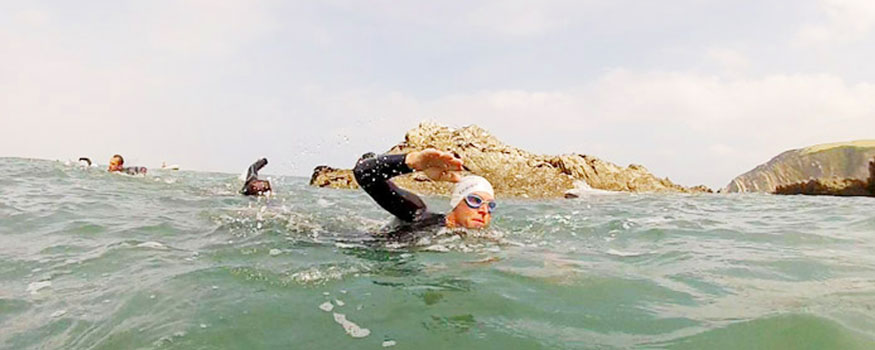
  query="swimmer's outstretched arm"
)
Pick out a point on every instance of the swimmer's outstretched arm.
point(374, 175)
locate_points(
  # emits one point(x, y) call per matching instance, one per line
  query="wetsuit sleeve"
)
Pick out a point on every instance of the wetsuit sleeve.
point(252, 173)
point(374, 175)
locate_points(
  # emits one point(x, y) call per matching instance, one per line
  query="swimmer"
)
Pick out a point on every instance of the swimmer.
point(86, 160)
point(116, 164)
point(253, 185)
point(472, 199)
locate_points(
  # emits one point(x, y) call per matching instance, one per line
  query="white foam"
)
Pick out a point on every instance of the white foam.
point(347, 245)
point(275, 252)
point(437, 248)
point(326, 306)
point(339, 302)
point(389, 343)
point(581, 188)
point(59, 313)
point(152, 245)
point(624, 254)
point(35, 287)
point(351, 328)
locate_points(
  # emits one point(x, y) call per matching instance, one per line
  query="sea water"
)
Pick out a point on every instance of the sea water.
point(178, 260)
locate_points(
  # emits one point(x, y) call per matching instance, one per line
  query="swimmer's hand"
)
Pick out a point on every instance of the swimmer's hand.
point(437, 165)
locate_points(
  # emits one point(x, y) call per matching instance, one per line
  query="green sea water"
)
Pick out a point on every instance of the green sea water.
point(177, 260)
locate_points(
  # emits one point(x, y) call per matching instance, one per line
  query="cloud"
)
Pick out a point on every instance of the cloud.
point(202, 26)
point(518, 18)
point(512, 19)
point(846, 21)
point(213, 85)
point(729, 61)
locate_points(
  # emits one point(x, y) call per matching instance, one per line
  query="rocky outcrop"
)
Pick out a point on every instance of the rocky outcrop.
point(512, 171)
point(701, 188)
point(833, 186)
point(847, 160)
point(326, 176)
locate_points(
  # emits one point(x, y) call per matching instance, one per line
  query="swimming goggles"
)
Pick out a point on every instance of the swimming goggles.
point(475, 202)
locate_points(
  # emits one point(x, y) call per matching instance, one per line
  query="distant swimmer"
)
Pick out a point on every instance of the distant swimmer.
point(116, 164)
point(472, 199)
point(254, 186)
point(86, 160)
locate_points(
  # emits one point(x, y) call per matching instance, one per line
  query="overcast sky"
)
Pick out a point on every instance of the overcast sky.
point(696, 90)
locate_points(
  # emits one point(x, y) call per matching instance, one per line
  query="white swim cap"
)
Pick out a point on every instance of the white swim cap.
point(468, 185)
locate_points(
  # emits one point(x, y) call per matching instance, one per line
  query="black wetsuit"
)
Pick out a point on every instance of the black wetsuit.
point(374, 175)
point(252, 176)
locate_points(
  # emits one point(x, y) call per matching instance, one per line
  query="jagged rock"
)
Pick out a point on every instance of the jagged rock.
point(515, 172)
point(828, 186)
point(701, 188)
point(833, 186)
point(603, 175)
point(326, 176)
point(846, 160)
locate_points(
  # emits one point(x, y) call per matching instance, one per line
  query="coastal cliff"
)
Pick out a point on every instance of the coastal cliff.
point(512, 171)
point(846, 160)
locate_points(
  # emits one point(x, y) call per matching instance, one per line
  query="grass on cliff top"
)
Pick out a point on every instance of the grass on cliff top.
point(828, 146)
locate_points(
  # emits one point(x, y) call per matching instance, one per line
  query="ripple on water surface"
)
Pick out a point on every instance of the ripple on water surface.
point(176, 260)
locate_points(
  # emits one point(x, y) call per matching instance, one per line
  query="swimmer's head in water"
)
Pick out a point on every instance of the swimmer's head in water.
point(116, 163)
point(473, 201)
point(257, 187)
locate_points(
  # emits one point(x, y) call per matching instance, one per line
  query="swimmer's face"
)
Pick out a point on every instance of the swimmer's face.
point(465, 216)
point(115, 164)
